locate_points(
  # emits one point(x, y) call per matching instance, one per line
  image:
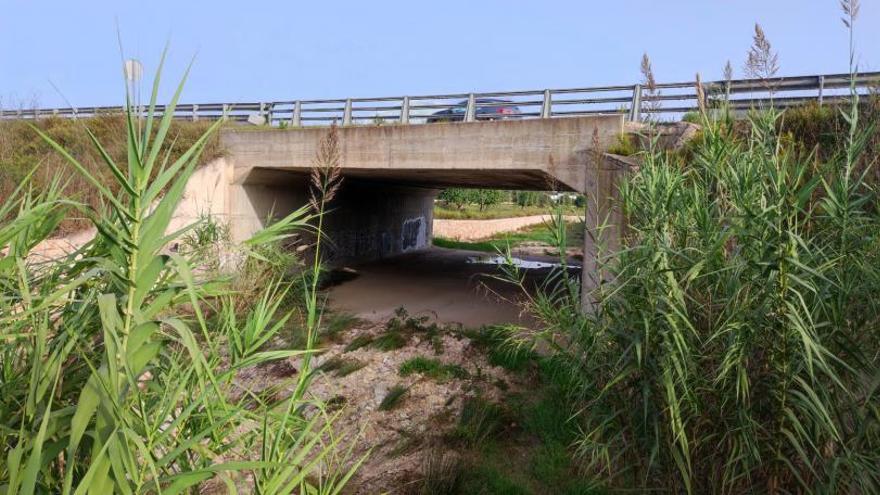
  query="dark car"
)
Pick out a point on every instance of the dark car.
point(486, 109)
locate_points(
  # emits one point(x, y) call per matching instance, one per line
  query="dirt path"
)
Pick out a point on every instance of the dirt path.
point(471, 230)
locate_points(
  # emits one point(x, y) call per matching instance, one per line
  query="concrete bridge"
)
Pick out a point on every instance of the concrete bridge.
point(392, 174)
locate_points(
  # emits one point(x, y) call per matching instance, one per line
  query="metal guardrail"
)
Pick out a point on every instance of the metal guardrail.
point(635, 101)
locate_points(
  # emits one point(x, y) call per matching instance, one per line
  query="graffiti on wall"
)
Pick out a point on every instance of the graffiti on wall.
point(414, 234)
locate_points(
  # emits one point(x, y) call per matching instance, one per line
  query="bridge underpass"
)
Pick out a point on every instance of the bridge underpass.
point(392, 174)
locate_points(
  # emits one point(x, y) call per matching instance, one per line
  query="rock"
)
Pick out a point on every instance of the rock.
point(380, 390)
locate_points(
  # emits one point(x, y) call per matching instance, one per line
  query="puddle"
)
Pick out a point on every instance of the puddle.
point(517, 262)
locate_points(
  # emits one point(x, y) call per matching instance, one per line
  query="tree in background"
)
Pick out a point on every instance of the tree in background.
point(528, 198)
point(455, 196)
point(459, 197)
point(487, 197)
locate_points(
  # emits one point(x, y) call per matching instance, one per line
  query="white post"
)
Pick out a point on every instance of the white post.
point(263, 111)
point(296, 120)
point(470, 113)
point(195, 113)
point(635, 110)
point(346, 116)
point(547, 107)
point(404, 111)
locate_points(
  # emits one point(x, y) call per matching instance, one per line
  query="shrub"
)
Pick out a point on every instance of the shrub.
point(624, 145)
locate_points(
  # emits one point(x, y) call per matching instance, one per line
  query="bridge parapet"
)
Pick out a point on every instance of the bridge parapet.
point(633, 100)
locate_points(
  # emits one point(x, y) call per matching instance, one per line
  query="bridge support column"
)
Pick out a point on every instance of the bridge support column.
point(604, 222)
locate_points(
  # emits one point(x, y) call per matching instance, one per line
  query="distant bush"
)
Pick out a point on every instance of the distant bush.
point(459, 197)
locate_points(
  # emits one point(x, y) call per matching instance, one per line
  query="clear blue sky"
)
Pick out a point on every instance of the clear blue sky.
point(275, 50)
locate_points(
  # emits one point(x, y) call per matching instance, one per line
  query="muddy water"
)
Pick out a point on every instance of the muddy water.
point(443, 283)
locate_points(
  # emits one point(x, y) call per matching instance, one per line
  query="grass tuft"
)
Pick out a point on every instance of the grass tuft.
point(432, 368)
point(358, 342)
point(502, 347)
point(389, 341)
point(442, 474)
point(478, 422)
point(341, 366)
point(393, 398)
point(337, 323)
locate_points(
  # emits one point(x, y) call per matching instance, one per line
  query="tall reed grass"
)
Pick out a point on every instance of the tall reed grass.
point(735, 346)
point(112, 379)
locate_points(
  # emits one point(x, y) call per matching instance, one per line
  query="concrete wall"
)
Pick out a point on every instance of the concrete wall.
point(207, 192)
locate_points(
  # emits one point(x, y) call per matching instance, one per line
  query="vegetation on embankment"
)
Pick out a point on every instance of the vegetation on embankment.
point(22, 151)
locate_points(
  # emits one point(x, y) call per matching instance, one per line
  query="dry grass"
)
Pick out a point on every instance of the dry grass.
point(22, 150)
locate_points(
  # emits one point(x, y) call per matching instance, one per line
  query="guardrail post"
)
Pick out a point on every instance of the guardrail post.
point(404, 111)
point(195, 113)
point(470, 113)
point(346, 115)
point(821, 89)
point(296, 119)
point(36, 113)
point(54, 112)
point(225, 111)
point(635, 110)
point(263, 111)
point(270, 113)
point(547, 106)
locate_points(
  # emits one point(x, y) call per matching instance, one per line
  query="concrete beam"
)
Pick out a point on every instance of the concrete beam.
point(538, 154)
